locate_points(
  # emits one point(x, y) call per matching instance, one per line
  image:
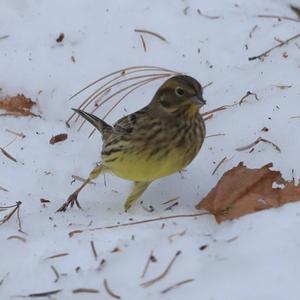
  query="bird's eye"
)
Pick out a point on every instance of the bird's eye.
point(179, 91)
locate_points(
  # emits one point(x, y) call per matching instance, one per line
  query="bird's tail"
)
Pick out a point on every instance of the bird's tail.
point(104, 128)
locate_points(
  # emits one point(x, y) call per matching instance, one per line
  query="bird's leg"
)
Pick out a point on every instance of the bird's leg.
point(138, 189)
point(72, 199)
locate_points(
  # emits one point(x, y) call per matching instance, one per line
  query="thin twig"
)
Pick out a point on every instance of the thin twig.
point(218, 165)
point(247, 95)
point(143, 43)
point(176, 285)
point(149, 220)
point(85, 290)
point(57, 255)
point(208, 84)
point(109, 291)
point(216, 134)
point(56, 274)
point(265, 53)
point(151, 33)
point(206, 16)
point(279, 18)
point(21, 134)
point(260, 139)
point(40, 295)
point(94, 250)
point(16, 237)
point(163, 274)
point(252, 31)
point(5, 153)
point(147, 264)
point(171, 200)
point(7, 217)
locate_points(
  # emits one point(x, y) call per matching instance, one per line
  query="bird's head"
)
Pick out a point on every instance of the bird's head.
point(179, 93)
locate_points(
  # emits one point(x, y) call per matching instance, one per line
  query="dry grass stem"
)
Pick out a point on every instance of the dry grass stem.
point(247, 95)
point(109, 291)
point(176, 285)
point(16, 237)
point(55, 273)
point(260, 139)
point(85, 290)
point(252, 31)
point(163, 274)
point(265, 53)
point(19, 134)
point(206, 16)
point(57, 255)
point(6, 154)
point(214, 135)
point(151, 33)
point(218, 165)
point(16, 209)
point(94, 250)
point(148, 221)
point(279, 18)
point(143, 43)
point(147, 264)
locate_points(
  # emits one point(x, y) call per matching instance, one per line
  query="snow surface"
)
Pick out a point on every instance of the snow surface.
point(254, 257)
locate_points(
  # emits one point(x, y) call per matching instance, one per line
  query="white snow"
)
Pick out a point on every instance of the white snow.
point(254, 257)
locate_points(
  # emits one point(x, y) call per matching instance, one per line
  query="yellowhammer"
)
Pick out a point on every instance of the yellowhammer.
point(158, 140)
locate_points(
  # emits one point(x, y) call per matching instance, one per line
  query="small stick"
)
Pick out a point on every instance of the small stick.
point(208, 117)
point(5, 153)
point(176, 285)
point(171, 200)
point(151, 33)
point(171, 206)
point(94, 250)
point(208, 84)
point(260, 139)
point(206, 16)
point(85, 290)
point(265, 53)
point(247, 95)
point(109, 291)
point(218, 165)
point(56, 274)
point(71, 233)
point(150, 220)
point(163, 274)
point(220, 108)
point(144, 43)
point(7, 217)
point(147, 264)
point(171, 236)
point(279, 17)
point(252, 31)
point(21, 134)
point(57, 255)
point(216, 134)
point(16, 237)
point(39, 295)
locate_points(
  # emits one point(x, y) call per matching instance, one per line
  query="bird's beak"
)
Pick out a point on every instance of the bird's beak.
point(198, 100)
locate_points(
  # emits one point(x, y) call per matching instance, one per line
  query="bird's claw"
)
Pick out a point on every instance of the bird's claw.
point(70, 202)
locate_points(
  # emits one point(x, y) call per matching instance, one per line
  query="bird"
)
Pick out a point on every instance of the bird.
point(156, 141)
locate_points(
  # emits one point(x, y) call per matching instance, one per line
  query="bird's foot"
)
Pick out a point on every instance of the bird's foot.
point(70, 202)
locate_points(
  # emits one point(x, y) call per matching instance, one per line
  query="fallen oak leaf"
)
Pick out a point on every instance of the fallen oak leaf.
point(17, 106)
point(241, 191)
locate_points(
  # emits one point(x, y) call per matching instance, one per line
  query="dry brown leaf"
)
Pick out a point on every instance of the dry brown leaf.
point(17, 106)
point(58, 138)
point(241, 191)
point(296, 10)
